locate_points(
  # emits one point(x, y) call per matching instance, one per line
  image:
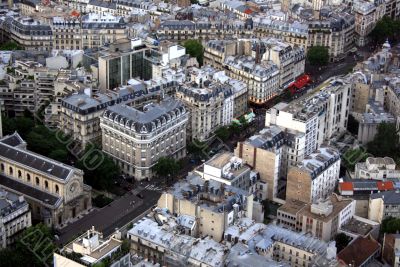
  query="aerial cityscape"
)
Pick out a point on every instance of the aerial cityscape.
point(200, 133)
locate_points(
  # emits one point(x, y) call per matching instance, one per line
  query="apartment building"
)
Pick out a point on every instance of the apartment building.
point(392, 9)
point(210, 29)
point(55, 191)
point(377, 169)
point(383, 205)
point(67, 33)
point(322, 219)
point(366, 15)
point(168, 240)
point(290, 60)
point(335, 32)
point(210, 76)
point(271, 152)
point(80, 113)
point(319, 116)
point(292, 32)
point(211, 204)
point(15, 217)
point(230, 170)
point(92, 249)
point(281, 245)
point(262, 78)
point(216, 51)
point(370, 120)
point(258, 62)
point(391, 248)
point(210, 106)
point(315, 177)
point(123, 60)
point(27, 86)
point(101, 29)
point(137, 137)
point(28, 32)
point(392, 98)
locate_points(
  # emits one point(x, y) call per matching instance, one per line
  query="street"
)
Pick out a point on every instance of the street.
point(115, 215)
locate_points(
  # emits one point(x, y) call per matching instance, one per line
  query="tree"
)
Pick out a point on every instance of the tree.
point(352, 125)
point(223, 133)
point(195, 49)
point(385, 28)
point(99, 169)
point(318, 55)
point(166, 167)
point(59, 155)
point(34, 248)
point(197, 148)
point(9, 46)
point(390, 225)
point(386, 142)
point(342, 240)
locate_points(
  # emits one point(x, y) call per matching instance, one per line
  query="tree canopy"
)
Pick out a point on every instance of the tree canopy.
point(223, 133)
point(342, 240)
point(385, 28)
point(9, 46)
point(386, 142)
point(99, 169)
point(318, 55)
point(390, 225)
point(34, 248)
point(195, 49)
point(166, 167)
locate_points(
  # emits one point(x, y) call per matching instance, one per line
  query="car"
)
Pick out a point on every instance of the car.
point(139, 195)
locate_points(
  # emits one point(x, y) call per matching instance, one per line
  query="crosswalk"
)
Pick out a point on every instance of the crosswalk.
point(153, 187)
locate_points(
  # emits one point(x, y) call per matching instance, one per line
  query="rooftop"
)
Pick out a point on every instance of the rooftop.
point(309, 106)
point(10, 202)
point(206, 250)
point(358, 226)
point(29, 191)
point(320, 160)
point(150, 118)
point(391, 197)
point(35, 161)
point(351, 254)
point(264, 69)
point(92, 247)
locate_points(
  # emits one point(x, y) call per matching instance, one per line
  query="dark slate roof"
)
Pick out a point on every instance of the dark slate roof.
point(12, 140)
point(389, 197)
point(148, 120)
point(28, 191)
point(35, 161)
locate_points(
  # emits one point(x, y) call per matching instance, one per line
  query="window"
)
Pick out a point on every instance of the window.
point(2, 167)
point(11, 170)
point(46, 184)
point(28, 177)
point(19, 174)
point(37, 181)
point(57, 189)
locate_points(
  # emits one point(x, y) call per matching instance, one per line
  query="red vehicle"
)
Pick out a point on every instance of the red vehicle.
point(298, 85)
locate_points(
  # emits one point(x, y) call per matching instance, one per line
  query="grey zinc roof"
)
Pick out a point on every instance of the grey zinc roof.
point(28, 191)
point(146, 120)
point(388, 197)
point(35, 161)
point(12, 140)
point(9, 202)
